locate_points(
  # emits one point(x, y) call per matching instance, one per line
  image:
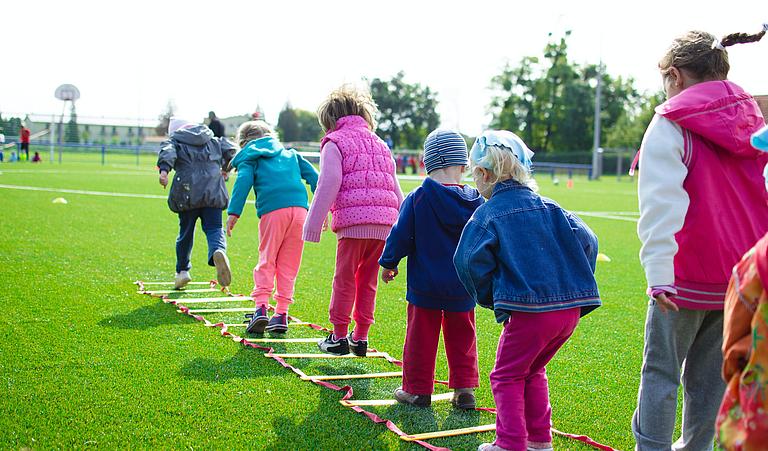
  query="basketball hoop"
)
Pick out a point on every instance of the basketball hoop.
point(67, 92)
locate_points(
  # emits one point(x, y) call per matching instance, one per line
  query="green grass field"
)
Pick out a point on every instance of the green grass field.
point(86, 361)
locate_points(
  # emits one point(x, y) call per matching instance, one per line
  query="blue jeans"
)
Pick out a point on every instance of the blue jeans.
point(211, 221)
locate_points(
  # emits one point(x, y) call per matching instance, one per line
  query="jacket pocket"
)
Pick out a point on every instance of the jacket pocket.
point(179, 199)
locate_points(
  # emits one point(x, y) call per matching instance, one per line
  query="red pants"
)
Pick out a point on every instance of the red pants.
point(355, 283)
point(420, 350)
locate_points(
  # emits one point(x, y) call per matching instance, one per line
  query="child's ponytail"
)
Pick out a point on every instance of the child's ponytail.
point(743, 38)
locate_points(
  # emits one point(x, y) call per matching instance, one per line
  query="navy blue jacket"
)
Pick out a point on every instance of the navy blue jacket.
point(427, 231)
point(522, 252)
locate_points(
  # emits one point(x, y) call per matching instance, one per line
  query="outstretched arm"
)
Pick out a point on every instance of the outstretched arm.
point(475, 262)
point(400, 242)
point(328, 185)
point(308, 173)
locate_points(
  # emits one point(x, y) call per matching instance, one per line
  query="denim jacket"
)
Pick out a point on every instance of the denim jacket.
point(523, 253)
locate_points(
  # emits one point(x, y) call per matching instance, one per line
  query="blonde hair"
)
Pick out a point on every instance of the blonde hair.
point(251, 130)
point(347, 100)
point(698, 53)
point(504, 166)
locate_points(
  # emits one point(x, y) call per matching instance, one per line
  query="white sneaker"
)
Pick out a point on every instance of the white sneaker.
point(223, 273)
point(182, 279)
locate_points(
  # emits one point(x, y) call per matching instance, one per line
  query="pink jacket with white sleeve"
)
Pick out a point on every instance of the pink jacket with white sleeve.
point(701, 192)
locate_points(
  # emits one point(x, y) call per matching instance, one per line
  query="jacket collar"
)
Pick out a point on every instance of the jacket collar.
point(351, 121)
point(507, 185)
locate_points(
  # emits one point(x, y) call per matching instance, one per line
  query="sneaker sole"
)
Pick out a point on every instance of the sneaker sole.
point(279, 329)
point(182, 283)
point(223, 273)
point(257, 327)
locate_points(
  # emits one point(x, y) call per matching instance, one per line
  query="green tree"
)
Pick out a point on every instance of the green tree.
point(309, 127)
point(298, 125)
point(549, 101)
point(630, 127)
point(408, 112)
point(161, 129)
point(71, 132)
point(288, 124)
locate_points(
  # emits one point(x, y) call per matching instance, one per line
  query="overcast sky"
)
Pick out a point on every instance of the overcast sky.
point(130, 58)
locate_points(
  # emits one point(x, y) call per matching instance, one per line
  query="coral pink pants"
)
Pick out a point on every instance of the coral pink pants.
point(280, 247)
point(354, 285)
point(519, 379)
point(420, 350)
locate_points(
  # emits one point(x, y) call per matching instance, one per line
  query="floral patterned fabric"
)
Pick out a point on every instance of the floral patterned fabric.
point(742, 423)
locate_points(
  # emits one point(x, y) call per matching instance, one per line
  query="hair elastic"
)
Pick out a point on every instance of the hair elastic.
point(716, 44)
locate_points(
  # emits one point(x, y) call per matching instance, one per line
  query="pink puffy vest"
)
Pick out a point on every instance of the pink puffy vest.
point(367, 193)
point(728, 209)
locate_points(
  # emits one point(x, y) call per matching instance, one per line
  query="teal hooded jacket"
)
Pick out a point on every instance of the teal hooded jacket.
point(274, 173)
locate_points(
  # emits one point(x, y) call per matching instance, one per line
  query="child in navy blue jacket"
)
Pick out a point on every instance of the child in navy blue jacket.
point(427, 231)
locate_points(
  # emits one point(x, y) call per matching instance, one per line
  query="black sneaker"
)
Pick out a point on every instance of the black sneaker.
point(331, 345)
point(258, 321)
point(278, 324)
point(358, 347)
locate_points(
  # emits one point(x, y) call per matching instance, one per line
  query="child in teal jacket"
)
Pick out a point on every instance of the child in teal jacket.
point(275, 174)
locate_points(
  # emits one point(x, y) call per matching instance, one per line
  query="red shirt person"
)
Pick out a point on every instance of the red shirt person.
point(24, 138)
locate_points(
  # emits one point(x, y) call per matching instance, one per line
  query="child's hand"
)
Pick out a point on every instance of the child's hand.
point(225, 174)
point(325, 223)
point(164, 179)
point(665, 304)
point(388, 275)
point(231, 221)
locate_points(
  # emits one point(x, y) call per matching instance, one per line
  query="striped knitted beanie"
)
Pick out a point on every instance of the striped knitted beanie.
point(444, 148)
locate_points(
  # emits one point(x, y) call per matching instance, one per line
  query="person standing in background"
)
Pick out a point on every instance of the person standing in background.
point(215, 125)
point(24, 140)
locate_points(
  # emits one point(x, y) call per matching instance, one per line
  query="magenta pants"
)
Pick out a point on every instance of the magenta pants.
point(420, 350)
point(280, 248)
point(355, 283)
point(519, 379)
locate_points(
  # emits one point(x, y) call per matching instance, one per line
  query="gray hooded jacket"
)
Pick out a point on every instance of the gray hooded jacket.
point(198, 158)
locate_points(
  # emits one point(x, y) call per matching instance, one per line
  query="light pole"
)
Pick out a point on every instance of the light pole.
point(596, 150)
point(65, 93)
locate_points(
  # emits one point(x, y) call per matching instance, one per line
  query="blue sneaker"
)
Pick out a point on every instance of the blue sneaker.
point(258, 321)
point(278, 324)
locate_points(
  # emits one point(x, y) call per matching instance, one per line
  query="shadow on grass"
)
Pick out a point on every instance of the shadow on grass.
point(153, 315)
point(329, 423)
point(247, 363)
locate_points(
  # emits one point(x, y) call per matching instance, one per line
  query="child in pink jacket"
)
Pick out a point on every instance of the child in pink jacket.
point(359, 187)
point(699, 179)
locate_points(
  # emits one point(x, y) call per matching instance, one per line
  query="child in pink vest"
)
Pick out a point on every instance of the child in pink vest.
point(699, 179)
point(359, 187)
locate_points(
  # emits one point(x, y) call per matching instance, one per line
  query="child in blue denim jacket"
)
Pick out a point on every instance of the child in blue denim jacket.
point(533, 264)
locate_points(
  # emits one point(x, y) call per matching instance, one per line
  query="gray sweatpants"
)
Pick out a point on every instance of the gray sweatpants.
point(691, 340)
